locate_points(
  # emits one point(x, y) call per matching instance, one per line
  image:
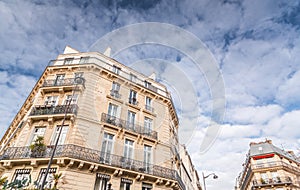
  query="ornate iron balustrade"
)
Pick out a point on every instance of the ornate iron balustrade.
point(49, 109)
point(275, 164)
point(94, 60)
point(128, 126)
point(180, 182)
point(87, 154)
point(115, 94)
point(272, 181)
point(59, 82)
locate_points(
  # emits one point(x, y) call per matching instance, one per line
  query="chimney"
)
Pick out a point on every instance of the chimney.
point(269, 141)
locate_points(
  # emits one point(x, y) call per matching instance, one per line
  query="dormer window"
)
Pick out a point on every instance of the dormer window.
point(116, 69)
point(83, 60)
point(147, 84)
point(68, 61)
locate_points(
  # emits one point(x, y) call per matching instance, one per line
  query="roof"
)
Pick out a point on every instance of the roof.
point(267, 147)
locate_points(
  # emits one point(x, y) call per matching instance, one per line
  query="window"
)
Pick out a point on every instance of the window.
point(37, 132)
point(101, 181)
point(49, 180)
point(148, 104)
point(107, 147)
point(22, 175)
point(130, 120)
point(62, 137)
point(147, 84)
point(51, 100)
point(146, 186)
point(132, 97)
point(83, 60)
point(116, 69)
point(148, 125)
point(132, 77)
point(264, 178)
point(147, 157)
point(59, 80)
point(115, 90)
point(69, 98)
point(128, 149)
point(275, 177)
point(79, 74)
point(112, 110)
point(68, 61)
point(125, 184)
point(115, 86)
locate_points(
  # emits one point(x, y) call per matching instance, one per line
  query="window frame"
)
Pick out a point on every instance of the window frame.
point(133, 97)
point(128, 149)
point(64, 134)
point(35, 134)
point(59, 78)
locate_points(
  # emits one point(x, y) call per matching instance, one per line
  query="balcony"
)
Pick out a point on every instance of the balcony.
point(139, 80)
point(277, 181)
point(61, 82)
point(51, 110)
point(95, 156)
point(276, 164)
point(128, 126)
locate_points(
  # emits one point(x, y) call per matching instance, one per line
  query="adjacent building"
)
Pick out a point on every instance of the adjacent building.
point(268, 167)
point(118, 129)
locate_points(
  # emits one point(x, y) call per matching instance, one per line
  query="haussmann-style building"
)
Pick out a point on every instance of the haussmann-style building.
point(268, 167)
point(117, 129)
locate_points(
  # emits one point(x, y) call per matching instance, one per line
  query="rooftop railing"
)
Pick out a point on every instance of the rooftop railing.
point(275, 164)
point(51, 109)
point(139, 79)
point(134, 127)
point(91, 155)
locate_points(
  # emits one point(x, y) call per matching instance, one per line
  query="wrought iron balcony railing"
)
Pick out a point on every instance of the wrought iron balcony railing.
point(95, 60)
point(59, 82)
point(115, 94)
point(90, 155)
point(128, 126)
point(275, 164)
point(49, 109)
point(272, 181)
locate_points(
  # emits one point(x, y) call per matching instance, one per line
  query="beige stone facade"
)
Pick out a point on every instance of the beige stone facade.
point(268, 167)
point(120, 128)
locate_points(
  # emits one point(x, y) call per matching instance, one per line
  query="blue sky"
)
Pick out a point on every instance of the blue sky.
point(256, 44)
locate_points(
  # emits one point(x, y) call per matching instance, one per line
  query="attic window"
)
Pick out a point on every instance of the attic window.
point(68, 61)
point(116, 69)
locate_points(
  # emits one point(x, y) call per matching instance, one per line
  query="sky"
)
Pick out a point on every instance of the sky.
point(255, 44)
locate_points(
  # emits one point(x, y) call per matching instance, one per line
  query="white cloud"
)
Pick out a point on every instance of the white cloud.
point(285, 127)
point(288, 92)
point(253, 114)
